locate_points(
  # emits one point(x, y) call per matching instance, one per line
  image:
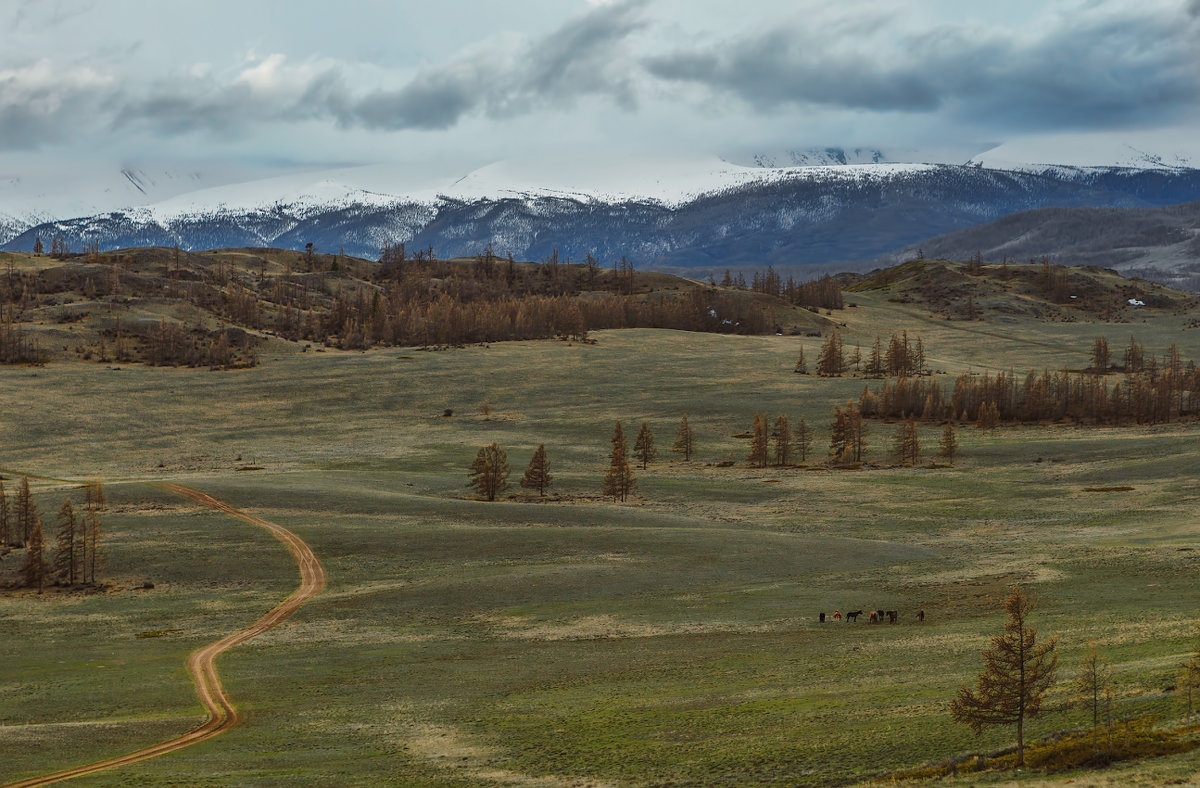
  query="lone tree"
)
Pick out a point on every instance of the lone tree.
point(1092, 683)
point(489, 472)
point(93, 554)
point(26, 510)
point(69, 545)
point(643, 446)
point(685, 442)
point(34, 570)
point(1188, 681)
point(801, 367)
point(948, 445)
point(803, 437)
point(758, 442)
point(5, 523)
point(537, 475)
point(1017, 672)
point(782, 436)
point(619, 480)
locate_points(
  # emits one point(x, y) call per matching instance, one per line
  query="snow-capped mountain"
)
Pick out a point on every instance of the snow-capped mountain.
point(663, 211)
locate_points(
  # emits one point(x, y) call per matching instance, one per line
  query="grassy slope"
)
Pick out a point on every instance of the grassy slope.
point(674, 639)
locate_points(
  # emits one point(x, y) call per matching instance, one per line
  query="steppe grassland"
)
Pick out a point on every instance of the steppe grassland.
point(671, 639)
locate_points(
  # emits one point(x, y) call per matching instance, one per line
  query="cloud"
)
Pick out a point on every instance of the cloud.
point(1095, 67)
point(581, 58)
point(578, 59)
point(41, 102)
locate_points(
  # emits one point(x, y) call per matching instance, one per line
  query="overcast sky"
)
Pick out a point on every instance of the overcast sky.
point(277, 83)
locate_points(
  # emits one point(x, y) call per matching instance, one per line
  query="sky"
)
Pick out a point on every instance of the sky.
point(269, 84)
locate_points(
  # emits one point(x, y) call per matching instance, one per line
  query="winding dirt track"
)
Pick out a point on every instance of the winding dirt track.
point(222, 715)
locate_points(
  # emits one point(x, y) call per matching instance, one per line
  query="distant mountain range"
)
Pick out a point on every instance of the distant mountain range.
point(659, 213)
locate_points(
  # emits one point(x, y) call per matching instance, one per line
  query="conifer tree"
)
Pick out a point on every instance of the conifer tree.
point(1092, 683)
point(856, 357)
point(1188, 681)
point(489, 472)
point(619, 481)
point(948, 445)
point(989, 416)
point(839, 436)
point(831, 360)
point(858, 426)
point(875, 362)
point(5, 523)
point(66, 554)
point(1134, 357)
point(906, 446)
point(684, 440)
point(26, 510)
point(758, 442)
point(801, 367)
point(803, 439)
point(537, 475)
point(93, 493)
point(1017, 673)
point(1100, 356)
point(34, 569)
point(94, 554)
point(643, 445)
point(782, 436)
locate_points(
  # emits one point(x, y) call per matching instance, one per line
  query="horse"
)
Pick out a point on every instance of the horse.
point(892, 616)
point(853, 616)
point(874, 617)
point(920, 615)
point(837, 615)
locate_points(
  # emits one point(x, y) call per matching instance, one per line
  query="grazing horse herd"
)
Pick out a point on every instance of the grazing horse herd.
point(875, 617)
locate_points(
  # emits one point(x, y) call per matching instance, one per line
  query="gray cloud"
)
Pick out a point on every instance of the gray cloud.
point(578, 59)
point(1103, 70)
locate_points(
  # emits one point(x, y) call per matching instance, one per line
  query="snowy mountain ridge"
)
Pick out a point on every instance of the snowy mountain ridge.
point(678, 211)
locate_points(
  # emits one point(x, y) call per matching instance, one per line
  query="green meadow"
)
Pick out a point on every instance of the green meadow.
point(670, 640)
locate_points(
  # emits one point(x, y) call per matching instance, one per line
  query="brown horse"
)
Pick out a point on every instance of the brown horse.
point(837, 615)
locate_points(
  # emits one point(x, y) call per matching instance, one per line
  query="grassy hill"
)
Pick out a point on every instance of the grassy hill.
point(1004, 292)
point(170, 306)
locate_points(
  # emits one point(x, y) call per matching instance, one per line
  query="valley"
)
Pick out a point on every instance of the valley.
point(572, 640)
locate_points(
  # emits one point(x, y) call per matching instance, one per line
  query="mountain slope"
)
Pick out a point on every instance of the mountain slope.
point(680, 215)
point(1157, 243)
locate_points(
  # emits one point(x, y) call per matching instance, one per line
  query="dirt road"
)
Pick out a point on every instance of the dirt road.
point(222, 715)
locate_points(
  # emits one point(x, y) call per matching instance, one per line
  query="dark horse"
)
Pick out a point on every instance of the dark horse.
point(853, 616)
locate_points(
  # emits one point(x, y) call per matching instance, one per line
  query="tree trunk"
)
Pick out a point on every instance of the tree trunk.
point(1021, 740)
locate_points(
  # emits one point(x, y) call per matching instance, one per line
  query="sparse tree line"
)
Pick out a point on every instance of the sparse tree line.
point(78, 552)
point(490, 470)
point(787, 443)
point(823, 293)
point(901, 357)
point(781, 443)
point(1155, 395)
